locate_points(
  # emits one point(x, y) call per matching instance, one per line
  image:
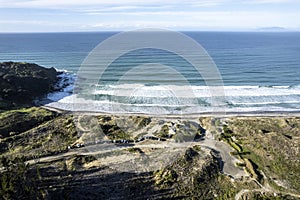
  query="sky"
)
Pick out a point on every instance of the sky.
point(122, 15)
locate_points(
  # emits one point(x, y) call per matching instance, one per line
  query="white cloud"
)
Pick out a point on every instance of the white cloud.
point(102, 3)
point(28, 22)
point(177, 20)
point(185, 20)
point(130, 14)
point(270, 1)
point(35, 22)
point(127, 3)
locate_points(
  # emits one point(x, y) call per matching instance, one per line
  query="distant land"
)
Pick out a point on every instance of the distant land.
point(273, 29)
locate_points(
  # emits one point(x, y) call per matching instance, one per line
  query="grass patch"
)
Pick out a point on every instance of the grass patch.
point(16, 121)
point(51, 137)
point(269, 149)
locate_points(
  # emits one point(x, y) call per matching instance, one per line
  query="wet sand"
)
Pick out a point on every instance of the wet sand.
point(184, 116)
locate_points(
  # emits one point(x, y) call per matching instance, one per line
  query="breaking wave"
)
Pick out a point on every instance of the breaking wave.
point(174, 99)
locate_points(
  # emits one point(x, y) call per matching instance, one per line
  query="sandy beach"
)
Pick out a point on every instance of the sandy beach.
point(191, 115)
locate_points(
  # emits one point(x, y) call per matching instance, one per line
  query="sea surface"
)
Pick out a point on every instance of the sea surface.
point(260, 72)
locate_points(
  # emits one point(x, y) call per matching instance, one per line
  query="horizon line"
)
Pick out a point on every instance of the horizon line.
point(118, 31)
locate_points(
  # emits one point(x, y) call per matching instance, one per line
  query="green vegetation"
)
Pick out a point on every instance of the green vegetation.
point(195, 177)
point(165, 177)
point(18, 180)
point(250, 166)
point(140, 121)
point(269, 149)
point(114, 132)
point(77, 162)
point(268, 196)
point(164, 132)
point(39, 133)
point(14, 122)
point(117, 128)
point(135, 150)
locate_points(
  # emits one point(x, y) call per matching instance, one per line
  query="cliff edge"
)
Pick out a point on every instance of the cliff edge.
point(23, 82)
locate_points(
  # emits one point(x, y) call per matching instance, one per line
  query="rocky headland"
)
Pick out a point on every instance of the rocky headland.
point(20, 83)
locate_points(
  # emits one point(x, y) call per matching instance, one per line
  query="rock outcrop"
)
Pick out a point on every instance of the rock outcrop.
point(23, 82)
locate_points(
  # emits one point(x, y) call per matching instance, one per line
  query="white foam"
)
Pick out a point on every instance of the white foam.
point(65, 86)
point(195, 91)
point(167, 99)
point(267, 103)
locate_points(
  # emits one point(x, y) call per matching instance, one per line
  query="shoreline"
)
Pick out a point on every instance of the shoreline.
point(65, 85)
point(191, 115)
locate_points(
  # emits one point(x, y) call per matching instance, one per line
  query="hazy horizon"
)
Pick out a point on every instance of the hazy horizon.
point(90, 16)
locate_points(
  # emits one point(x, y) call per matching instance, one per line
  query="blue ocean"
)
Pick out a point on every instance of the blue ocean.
point(260, 72)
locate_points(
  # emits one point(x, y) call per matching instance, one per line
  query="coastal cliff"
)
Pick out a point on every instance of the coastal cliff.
point(20, 83)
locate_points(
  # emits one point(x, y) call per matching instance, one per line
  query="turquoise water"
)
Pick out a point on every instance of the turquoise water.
point(260, 70)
